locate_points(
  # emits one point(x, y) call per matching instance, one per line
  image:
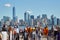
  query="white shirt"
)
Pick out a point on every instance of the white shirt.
point(17, 30)
point(10, 35)
point(4, 35)
point(34, 32)
point(55, 29)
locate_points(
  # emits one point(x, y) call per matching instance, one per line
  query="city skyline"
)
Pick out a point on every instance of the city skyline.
point(37, 7)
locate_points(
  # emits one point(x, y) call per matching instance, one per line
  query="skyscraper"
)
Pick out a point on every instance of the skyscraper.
point(52, 18)
point(44, 20)
point(27, 18)
point(32, 20)
point(38, 21)
point(57, 21)
point(32, 16)
point(14, 14)
point(15, 18)
point(38, 18)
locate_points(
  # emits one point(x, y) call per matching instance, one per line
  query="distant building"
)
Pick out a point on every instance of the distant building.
point(38, 17)
point(38, 21)
point(44, 20)
point(21, 22)
point(58, 20)
point(52, 18)
point(32, 20)
point(49, 21)
point(0, 23)
point(32, 16)
point(12, 23)
point(14, 13)
point(35, 22)
point(44, 16)
point(15, 18)
point(5, 18)
point(55, 21)
point(27, 17)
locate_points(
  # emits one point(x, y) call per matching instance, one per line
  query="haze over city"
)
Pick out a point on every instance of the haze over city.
point(36, 7)
point(29, 19)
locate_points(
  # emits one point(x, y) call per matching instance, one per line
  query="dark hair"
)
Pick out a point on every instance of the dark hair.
point(3, 25)
point(46, 26)
point(3, 28)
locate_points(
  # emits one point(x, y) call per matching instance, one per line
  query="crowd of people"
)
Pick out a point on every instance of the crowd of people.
point(13, 33)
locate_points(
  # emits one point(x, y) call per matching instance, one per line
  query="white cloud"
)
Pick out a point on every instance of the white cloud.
point(7, 5)
point(29, 11)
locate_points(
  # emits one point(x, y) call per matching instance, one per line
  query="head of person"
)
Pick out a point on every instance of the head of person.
point(4, 25)
point(46, 27)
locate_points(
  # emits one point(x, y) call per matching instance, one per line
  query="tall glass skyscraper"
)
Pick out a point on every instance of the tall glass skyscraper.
point(55, 21)
point(15, 18)
point(52, 18)
point(27, 18)
point(58, 21)
point(14, 14)
point(32, 20)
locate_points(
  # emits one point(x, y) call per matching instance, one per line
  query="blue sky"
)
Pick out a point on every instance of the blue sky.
point(37, 7)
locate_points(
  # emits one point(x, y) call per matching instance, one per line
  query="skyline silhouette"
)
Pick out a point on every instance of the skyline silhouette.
point(37, 7)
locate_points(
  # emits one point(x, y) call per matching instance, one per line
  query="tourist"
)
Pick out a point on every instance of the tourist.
point(25, 34)
point(33, 34)
point(17, 33)
point(55, 32)
point(10, 32)
point(58, 34)
point(45, 31)
point(39, 32)
point(0, 36)
point(4, 33)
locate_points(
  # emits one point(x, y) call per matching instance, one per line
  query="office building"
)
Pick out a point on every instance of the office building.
point(52, 19)
point(58, 20)
point(27, 18)
point(32, 20)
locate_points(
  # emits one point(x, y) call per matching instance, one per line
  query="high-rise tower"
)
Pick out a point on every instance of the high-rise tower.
point(27, 17)
point(14, 13)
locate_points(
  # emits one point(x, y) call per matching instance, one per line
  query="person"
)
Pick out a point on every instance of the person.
point(58, 34)
point(26, 29)
point(25, 34)
point(4, 28)
point(10, 33)
point(39, 32)
point(55, 32)
point(30, 31)
point(4, 36)
point(21, 33)
point(4, 33)
point(0, 36)
point(36, 30)
point(33, 34)
point(45, 31)
point(17, 33)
